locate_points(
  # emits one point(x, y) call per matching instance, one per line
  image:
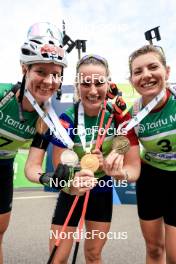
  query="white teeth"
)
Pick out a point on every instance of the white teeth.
point(148, 84)
point(92, 98)
point(45, 90)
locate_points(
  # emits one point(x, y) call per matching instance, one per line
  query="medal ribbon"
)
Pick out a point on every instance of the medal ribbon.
point(82, 131)
point(143, 113)
point(172, 88)
point(51, 119)
point(100, 137)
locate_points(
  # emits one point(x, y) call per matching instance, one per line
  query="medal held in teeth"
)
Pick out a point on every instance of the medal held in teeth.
point(121, 144)
point(90, 161)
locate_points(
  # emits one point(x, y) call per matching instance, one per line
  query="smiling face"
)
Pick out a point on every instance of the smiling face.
point(148, 75)
point(42, 80)
point(92, 87)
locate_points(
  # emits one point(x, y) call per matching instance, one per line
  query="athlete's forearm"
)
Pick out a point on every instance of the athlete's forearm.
point(132, 164)
point(33, 166)
point(33, 172)
point(57, 178)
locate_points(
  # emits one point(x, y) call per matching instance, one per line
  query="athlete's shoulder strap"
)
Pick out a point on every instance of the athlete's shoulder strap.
point(76, 105)
point(10, 93)
point(135, 110)
point(16, 87)
point(172, 88)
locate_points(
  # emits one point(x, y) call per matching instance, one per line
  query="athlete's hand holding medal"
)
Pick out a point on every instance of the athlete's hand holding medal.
point(94, 160)
point(84, 179)
point(114, 162)
point(82, 182)
point(91, 161)
point(81, 177)
point(100, 157)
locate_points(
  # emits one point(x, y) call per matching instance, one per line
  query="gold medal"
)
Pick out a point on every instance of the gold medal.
point(69, 157)
point(121, 144)
point(90, 161)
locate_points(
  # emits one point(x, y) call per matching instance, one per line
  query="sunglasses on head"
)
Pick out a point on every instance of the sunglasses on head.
point(159, 48)
point(94, 56)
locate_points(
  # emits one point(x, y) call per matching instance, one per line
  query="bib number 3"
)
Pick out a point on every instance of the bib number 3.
point(165, 145)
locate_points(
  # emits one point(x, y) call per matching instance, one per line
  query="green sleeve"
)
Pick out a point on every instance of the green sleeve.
point(4, 88)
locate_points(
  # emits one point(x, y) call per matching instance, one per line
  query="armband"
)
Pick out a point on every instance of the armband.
point(39, 142)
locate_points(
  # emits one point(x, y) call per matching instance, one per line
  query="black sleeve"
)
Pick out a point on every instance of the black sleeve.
point(40, 142)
